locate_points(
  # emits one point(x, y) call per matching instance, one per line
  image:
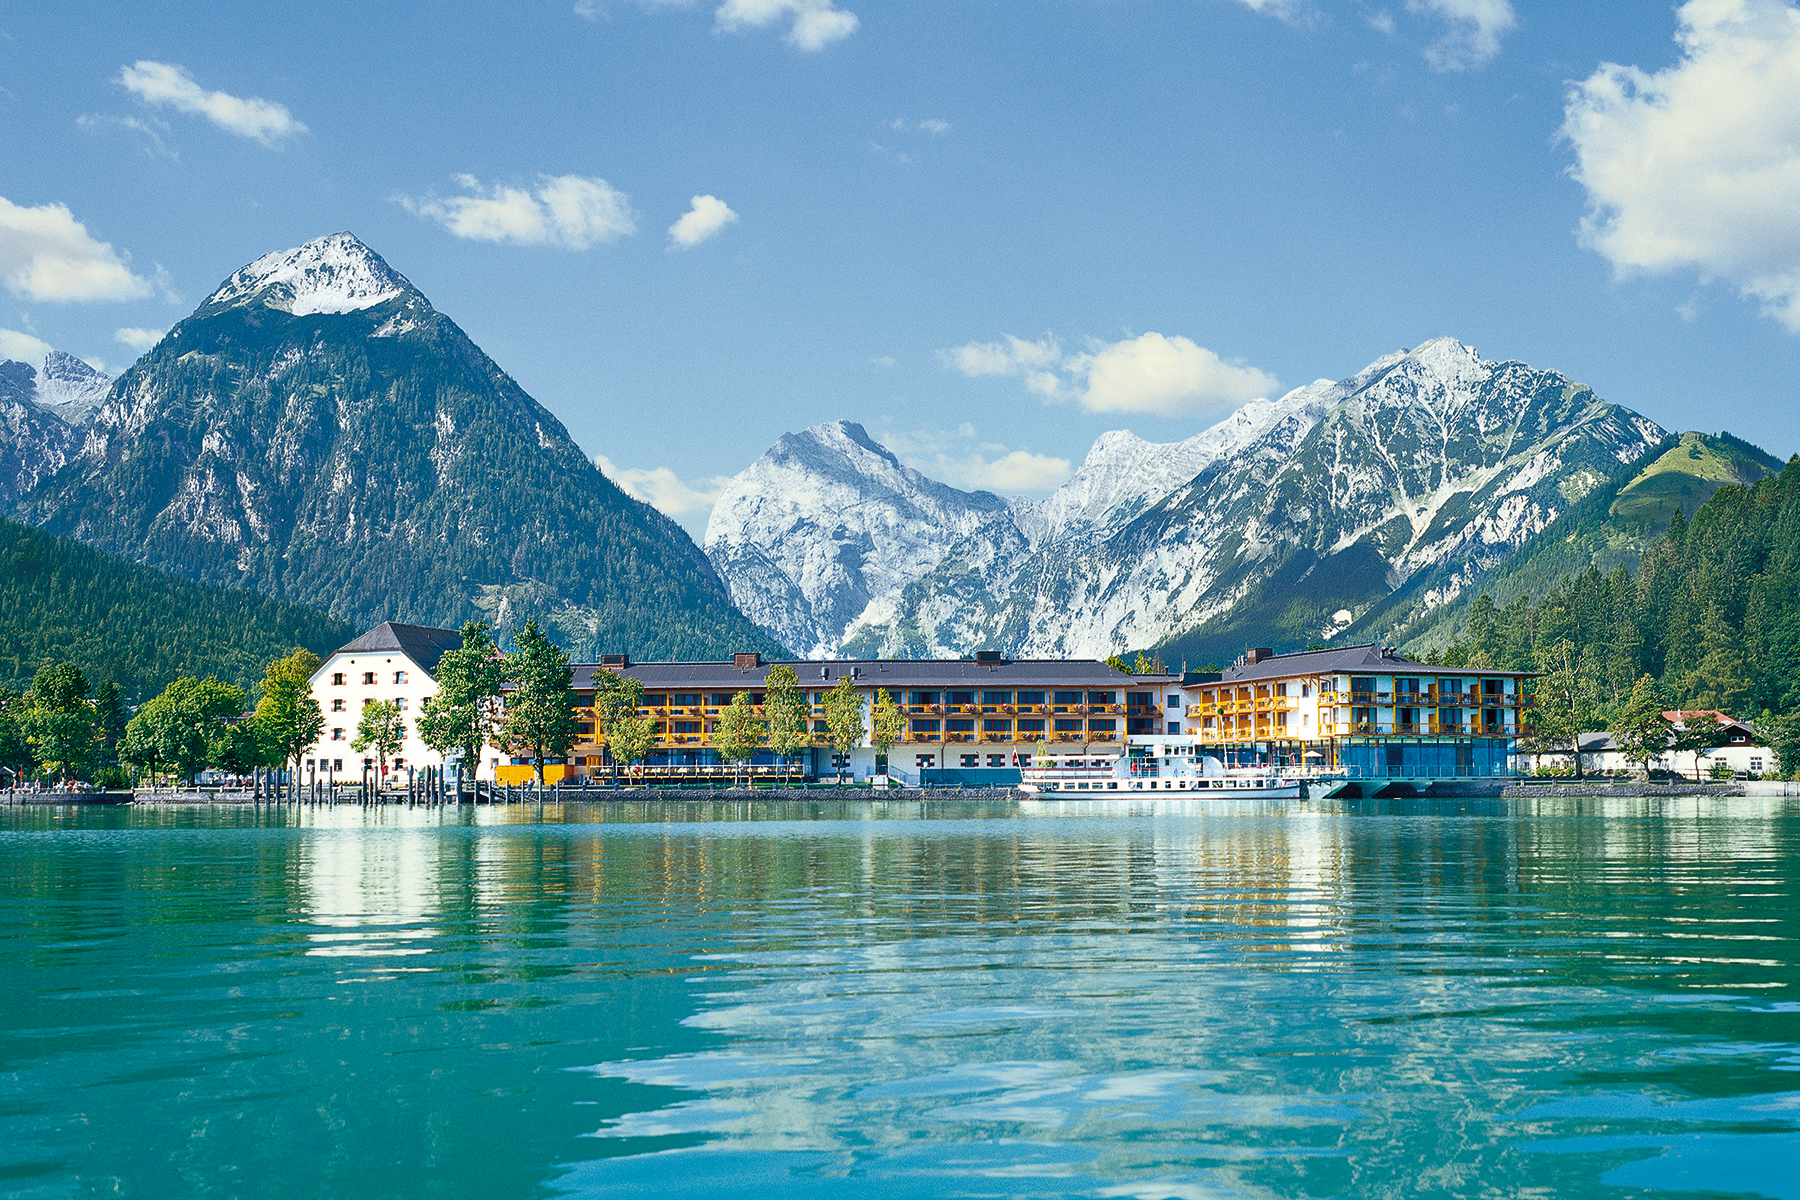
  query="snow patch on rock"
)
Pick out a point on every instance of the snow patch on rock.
point(333, 274)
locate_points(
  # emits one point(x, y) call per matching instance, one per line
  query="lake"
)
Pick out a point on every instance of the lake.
point(1174, 1000)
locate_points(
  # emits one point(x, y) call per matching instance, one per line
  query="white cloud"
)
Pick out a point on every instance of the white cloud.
point(707, 216)
point(1475, 29)
point(139, 340)
point(1697, 166)
point(569, 211)
point(46, 254)
point(662, 489)
point(1150, 373)
point(815, 23)
point(1473, 36)
point(254, 118)
point(934, 126)
point(1013, 356)
point(886, 362)
point(1167, 376)
point(958, 457)
point(22, 347)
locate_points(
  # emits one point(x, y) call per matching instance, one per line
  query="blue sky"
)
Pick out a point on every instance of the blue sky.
point(988, 232)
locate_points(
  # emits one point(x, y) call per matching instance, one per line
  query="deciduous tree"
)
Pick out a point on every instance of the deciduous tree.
point(887, 724)
point(786, 711)
point(843, 716)
point(738, 732)
point(59, 720)
point(183, 726)
point(463, 715)
point(382, 728)
point(540, 713)
point(288, 719)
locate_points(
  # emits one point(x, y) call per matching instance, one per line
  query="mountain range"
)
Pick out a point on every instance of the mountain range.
point(1284, 524)
point(43, 412)
point(317, 431)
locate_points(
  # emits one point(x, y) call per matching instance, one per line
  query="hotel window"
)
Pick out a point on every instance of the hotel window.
point(1106, 725)
point(718, 699)
point(337, 735)
point(686, 700)
point(924, 698)
point(992, 726)
point(959, 726)
point(368, 677)
point(1101, 697)
point(962, 698)
point(337, 764)
point(925, 762)
point(399, 676)
point(1305, 689)
point(400, 703)
point(337, 679)
point(687, 727)
point(996, 760)
point(969, 760)
point(1067, 725)
point(1031, 699)
point(924, 726)
point(653, 699)
point(1066, 699)
point(337, 705)
point(1036, 726)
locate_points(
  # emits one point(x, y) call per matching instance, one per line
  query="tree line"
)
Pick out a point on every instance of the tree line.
point(1709, 621)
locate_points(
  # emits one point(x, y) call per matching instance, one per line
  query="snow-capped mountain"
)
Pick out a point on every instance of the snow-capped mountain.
point(826, 528)
point(316, 430)
point(43, 410)
point(332, 274)
point(1279, 525)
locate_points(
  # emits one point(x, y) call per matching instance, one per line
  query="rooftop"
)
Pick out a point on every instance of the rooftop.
point(424, 644)
point(884, 672)
point(1370, 658)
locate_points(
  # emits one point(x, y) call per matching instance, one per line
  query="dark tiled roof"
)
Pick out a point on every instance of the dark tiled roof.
point(1367, 659)
point(424, 644)
point(888, 673)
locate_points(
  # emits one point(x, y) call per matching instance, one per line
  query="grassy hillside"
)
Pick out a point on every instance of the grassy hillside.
point(63, 601)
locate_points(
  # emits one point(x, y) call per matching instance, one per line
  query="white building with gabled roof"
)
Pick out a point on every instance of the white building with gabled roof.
point(390, 662)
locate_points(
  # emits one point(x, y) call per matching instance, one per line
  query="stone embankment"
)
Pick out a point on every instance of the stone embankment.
point(1547, 790)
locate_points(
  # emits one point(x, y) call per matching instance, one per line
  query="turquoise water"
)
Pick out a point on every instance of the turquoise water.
point(1569, 998)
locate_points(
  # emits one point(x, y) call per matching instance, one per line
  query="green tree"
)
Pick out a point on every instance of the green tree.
point(1698, 734)
point(1143, 664)
point(15, 751)
point(183, 726)
point(887, 724)
point(110, 717)
point(288, 719)
point(1118, 664)
point(540, 713)
point(1567, 701)
point(1640, 729)
point(843, 716)
point(60, 722)
point(738, 732)
point(629, 738)
point(1782, 735)
point(463, 715)
point(382, 728)
point(785, 710)
point(617, 698)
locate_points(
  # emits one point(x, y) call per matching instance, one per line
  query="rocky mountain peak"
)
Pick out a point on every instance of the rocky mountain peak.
point(332, 274)
point(70, 388)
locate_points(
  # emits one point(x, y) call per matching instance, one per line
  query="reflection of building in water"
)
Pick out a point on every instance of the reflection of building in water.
point(369, 889)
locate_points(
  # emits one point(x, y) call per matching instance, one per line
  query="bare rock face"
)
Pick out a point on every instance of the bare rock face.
point(43, 410)
point(317, 431)
point(1281, 524)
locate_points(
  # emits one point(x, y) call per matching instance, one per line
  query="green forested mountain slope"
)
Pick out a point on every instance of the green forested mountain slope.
point(62, 601)
point(1713, 611)
point(317, 431)
point(1609, 528)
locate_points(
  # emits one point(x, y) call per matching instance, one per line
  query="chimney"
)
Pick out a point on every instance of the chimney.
point(746, 662)
point(614, 662)
point(988, 657)
point(1258, 654)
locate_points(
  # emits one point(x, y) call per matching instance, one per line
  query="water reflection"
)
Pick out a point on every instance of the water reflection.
point(1164, 999)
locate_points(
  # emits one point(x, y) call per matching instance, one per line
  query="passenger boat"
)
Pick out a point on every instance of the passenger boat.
point(1153, 766)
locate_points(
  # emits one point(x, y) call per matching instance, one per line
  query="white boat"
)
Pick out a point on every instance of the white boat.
point(1154, 766)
